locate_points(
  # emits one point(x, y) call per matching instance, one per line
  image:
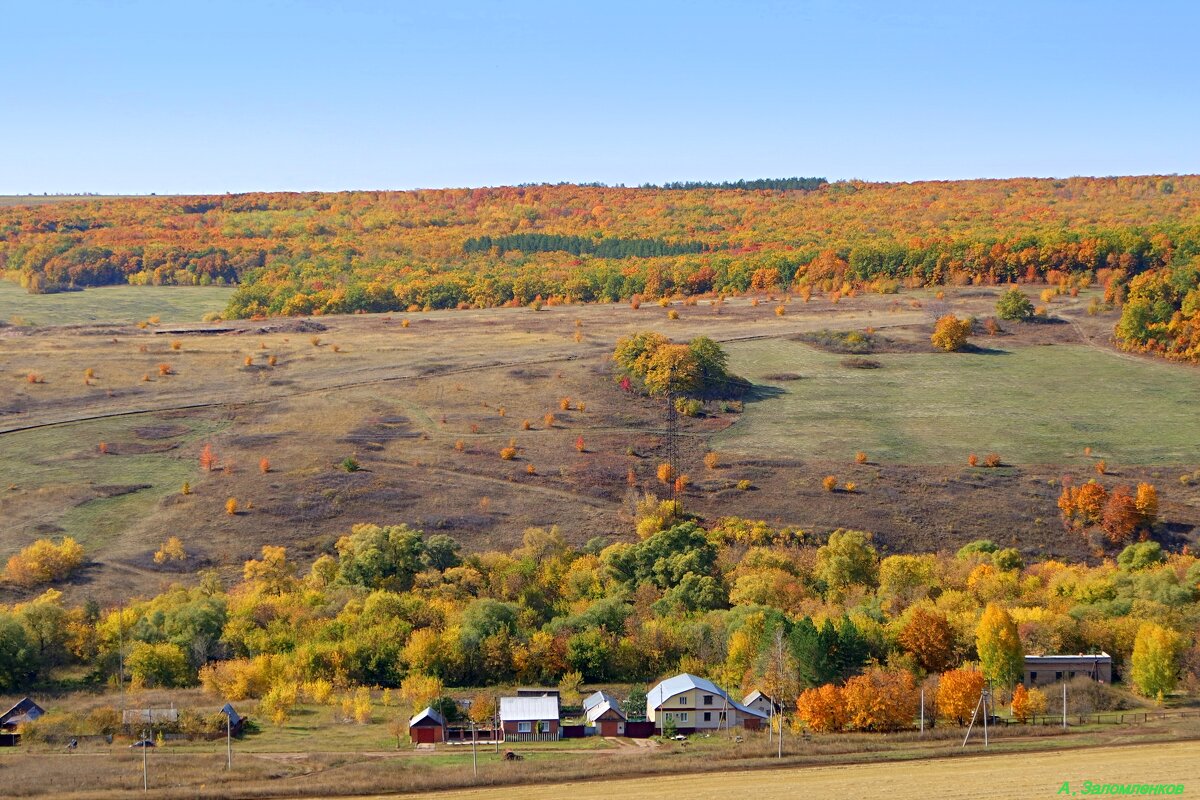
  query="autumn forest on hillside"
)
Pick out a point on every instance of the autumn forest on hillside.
point(300, 254)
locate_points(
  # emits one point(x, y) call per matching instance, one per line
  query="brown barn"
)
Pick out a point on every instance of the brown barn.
point(427, 727)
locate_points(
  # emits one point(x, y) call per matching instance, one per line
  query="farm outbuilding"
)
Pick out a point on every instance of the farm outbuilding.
point(603, 711)
point(24, 711)
point(427, 727)
point(1041, 670)
point(236, 720)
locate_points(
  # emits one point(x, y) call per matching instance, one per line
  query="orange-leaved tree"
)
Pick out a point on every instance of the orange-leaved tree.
point(929, 637)
point(958, 694)
point(822, 709)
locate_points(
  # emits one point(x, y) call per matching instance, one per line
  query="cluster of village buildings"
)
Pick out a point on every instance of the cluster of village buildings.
point(687, 703)
point(684, 703)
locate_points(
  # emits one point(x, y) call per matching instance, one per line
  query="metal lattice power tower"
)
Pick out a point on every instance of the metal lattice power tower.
point(672, 448)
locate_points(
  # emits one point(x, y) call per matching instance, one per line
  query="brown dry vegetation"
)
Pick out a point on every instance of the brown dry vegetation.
point(399, 400)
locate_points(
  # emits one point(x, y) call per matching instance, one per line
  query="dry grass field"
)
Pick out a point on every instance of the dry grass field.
point(1016, 775)
point(425, 402)
point(313, 757)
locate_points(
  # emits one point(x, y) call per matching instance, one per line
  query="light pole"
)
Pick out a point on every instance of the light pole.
point(474, 757)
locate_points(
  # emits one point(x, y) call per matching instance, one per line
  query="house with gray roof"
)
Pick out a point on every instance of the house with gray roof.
point(693, 704)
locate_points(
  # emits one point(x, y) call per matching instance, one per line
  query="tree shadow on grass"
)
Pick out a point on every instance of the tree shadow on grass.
point(975, 349)
point(759, 392)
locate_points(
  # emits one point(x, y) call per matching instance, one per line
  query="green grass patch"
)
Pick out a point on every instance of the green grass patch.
point(1038, 405)
point(172, 304)
point(52, 463)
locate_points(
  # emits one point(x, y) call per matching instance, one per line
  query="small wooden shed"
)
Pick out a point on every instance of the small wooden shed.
point(427, 727)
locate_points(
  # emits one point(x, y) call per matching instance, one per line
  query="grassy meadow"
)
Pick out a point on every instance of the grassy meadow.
point(1030, 404)
point(172, 304)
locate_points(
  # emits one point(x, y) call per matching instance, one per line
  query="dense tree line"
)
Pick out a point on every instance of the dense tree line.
point(388, 605)
point(771, 184)
point(580, 245)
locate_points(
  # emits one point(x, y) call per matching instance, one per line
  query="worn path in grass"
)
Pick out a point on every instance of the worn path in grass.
point(1018, 775)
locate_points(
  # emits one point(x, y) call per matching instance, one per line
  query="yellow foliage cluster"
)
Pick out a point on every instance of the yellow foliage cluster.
point(44, 562)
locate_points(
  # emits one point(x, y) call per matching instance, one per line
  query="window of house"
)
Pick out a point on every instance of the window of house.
point(1033, 677)
point(683, 716)
point(708, 716)
point(708, 699)
point(683, 700)
point(524, 727)
point(721, 716)
point(543, 726)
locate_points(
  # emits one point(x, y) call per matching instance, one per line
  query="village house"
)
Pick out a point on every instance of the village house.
point(762, 703)
point(604, 712)
point(528, 719)
point(694, 704)
point(1040, 670)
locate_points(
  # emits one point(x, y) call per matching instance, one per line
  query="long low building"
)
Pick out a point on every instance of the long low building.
point(1040, 670)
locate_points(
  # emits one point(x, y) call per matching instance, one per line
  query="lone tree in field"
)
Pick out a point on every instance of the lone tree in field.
point(950, 333)
point(1014, 305)
point(660, 367)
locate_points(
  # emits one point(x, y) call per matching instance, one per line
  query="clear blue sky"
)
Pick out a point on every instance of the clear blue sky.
point(189, 97)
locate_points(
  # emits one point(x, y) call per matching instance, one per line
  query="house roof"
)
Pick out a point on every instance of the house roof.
point(756, 695)
point(1101, 656)
point(521, 709)
point(427, 714)
point(25, 710)
point(685, 682)
point(234, 717)
point(596, 698)
point(600, 709)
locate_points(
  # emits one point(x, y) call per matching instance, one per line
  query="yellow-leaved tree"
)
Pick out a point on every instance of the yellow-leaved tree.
point(999, 646)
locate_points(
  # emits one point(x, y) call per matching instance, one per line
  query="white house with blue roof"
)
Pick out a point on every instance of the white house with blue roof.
point(694, 704)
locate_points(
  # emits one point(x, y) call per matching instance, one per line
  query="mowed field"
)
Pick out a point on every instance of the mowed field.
point(425, 407)
point(1016, 775)
point(111, 304)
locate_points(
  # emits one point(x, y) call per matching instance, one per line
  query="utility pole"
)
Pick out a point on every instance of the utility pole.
point(673, 443)
point(228, 742)
point(922, 710)
point(474, 757)
point(984, 699)
point(1064, 705)
point(145, 762)
point(982, 704)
